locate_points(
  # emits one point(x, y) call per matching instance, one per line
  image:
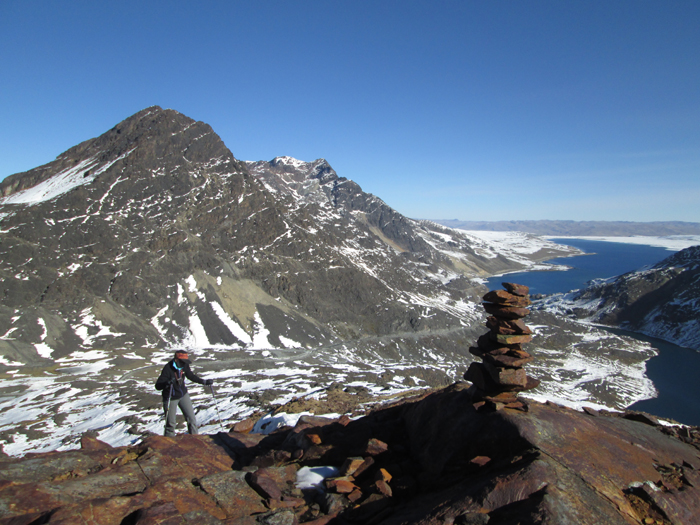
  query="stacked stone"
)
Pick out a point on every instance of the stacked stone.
point(498, 379)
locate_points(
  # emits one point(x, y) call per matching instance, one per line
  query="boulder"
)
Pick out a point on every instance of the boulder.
point(505, 312)
point(502, 297)
point(516, 289)
point(507, 326)
point(511, 339)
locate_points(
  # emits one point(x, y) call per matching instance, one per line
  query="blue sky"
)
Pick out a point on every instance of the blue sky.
point(471, 110)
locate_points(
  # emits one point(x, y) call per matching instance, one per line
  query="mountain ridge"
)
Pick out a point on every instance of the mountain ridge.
point(565, 228)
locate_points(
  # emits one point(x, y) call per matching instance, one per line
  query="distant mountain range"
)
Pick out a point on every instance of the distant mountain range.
point(580, 228)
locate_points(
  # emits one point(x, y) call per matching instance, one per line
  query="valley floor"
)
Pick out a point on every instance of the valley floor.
point(49, 409)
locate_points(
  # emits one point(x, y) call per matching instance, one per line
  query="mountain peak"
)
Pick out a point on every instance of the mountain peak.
point(147, 136)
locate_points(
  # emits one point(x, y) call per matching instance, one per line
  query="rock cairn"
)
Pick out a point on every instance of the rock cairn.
point(498, 379)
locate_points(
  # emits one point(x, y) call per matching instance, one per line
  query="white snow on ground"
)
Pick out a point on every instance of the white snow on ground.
point(289, 343)
point(52, 405)
point(261, 332)
point(517, 246)
point(8, 362)
point(312, 477)
point(88, 321)
point(511, 242)
point(576, 379)
point(235, 329)
point(269, 424)
point(670, 242)
point(43, 350)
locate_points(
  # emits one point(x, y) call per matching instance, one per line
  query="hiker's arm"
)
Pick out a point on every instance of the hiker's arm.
point(189, 374)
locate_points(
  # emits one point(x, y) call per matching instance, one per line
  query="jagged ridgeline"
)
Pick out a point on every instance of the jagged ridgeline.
point(154, 235)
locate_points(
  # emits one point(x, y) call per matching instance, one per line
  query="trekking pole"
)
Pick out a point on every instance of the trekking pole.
point(167, 404)
point(217, 407)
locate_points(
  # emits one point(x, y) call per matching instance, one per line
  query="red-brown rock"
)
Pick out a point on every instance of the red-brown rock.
point(486, 343)
point(243, 427)
point(232, 493)
point(88, 442)
point(516, 289)
point(504, 298)
point(383, 488)
point(510, 339)
point(505, 360)
point(314, 439)
point(383, 474)
point(479, 461)
point(355, 495)
point(342, 485)
point(507, 326)
point(375, 447)
point(548, 464)
point(364, 467)
point(505, 312)
point(350, 466)
point(264, 485)
point(506, 376)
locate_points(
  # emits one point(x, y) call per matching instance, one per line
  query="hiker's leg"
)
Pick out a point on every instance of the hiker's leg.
point(188, 412)
point(172, 415)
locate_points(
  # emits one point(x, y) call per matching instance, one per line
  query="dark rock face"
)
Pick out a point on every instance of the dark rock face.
point(429, 460)
point(661, 301)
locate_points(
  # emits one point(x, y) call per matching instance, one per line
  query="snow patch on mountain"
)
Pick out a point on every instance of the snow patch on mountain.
point(79, 175)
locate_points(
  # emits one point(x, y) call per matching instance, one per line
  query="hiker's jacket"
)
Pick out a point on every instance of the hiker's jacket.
point(172, 372)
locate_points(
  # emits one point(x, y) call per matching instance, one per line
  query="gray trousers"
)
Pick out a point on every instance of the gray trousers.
point(187, 410)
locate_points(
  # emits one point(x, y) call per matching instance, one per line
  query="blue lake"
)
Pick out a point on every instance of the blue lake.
point(603, 259)
point(674, 370)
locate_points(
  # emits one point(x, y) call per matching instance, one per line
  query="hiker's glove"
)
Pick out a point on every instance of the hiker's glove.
point(208, 382)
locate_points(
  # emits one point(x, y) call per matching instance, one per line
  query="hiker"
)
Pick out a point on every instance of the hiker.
point(172, 383)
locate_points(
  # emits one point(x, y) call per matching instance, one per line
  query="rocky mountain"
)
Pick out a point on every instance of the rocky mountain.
point(434, 459)
point(662, 301)
point(581, 228)
point(153, 234)
point(281, 277)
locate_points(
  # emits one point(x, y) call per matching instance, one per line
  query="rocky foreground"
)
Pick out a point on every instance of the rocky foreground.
point(439, 458)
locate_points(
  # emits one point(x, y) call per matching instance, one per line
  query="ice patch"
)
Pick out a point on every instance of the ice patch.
point(312, 477)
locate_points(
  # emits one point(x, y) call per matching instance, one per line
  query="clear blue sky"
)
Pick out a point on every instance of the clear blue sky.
point(475, 110)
